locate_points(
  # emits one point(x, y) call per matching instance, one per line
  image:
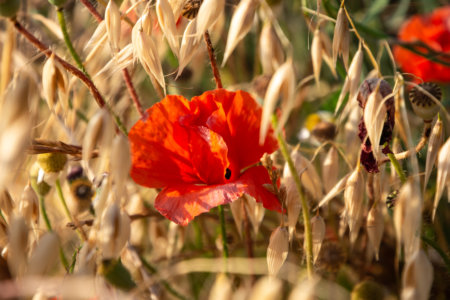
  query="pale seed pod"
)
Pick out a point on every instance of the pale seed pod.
point(6, 204)
point(114, 231)
point(240, 25)
point(120, 162)
point(189, 45)
point(375, 228)
point(167, 23)
point(209, 12)
point(29, 205)
point(436, 140)
point(316, 54)
point(236, 211)
point(43, 257)
point(145, 50)
point(417, 277)
point(281, 85)
point(354, 203)
point(443, 177)
point(330, 169)
point(277, 250)
point(18, 246)
point(266, 288)
point(318, 234)
point(221, 289)
point(374, 118)
point(55, 82)
point(293, 204)
point(255, 211)
point(341, 38)
point(113, 25)
point(270, 49)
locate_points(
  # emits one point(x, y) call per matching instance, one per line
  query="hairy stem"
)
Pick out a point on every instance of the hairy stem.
point(212, 59)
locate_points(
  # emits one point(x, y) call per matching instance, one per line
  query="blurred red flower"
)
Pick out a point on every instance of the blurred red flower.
point(434, 31)
point(197, 151)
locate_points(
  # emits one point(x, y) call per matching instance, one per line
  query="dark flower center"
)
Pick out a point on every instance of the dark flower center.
point(227, 174)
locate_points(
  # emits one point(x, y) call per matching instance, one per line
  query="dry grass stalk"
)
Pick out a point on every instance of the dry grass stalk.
point(375, 228)
point(443, 174)
point(113, 25)
point(167, 23)
point(278, 249)
point(354, 203)
point(270, 49)
point(210, 11)
point(241, 23)
point(318, 234)
point(417, 277)
point(330, 169)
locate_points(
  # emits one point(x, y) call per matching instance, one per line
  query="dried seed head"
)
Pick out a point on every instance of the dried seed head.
point(189, 45)
point(354, 203)
point(270, 49)
point(114, 231)
point(324, 131)
point(167, 23)
point(443, 174)
point(436, 140)
point(240, 25)
point(208, 14)
point(318, 234)
point(417, 277)
point(55, 82)
point(278, 249)
point(18, 246)
point(145, 50)
point(52, 162)
point(330, 169)
point(423, 105)
point(341, 39)
point(266, 288)
point(113, 22)
point(281, 85)
point(190, 9)
point(316, 54)
point(374, 117)
point(375, 228)
point(43, 257)
point(29, 205)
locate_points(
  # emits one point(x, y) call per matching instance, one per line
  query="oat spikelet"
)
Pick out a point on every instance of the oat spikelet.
point(281, 85)
point(209, 12)
point(18, 246)
point(270, 49)
point(43, 257)
point(375, 228)
point(339, 187)
point(29, 205)
point(436, 140)
point(6, 204)
point(266, 288)
point(114, 231)
point(55, 82)
point(278, 249)
point(236, 211)
point(167, 23)
point(318, 234)
point(120, 162)
point(255, 211)
point(221, 289)
point(189, 45)
point(374, 118)
point(316, 54)
point(417, 277)
point(443, 177)
point(330, 169)
point(353, 199)
point(241, 23)
point(341, 39)
point(113, 24)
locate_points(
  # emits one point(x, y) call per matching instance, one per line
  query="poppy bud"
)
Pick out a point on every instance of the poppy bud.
point(9, 8)
point(52, 162)
point(423, 105)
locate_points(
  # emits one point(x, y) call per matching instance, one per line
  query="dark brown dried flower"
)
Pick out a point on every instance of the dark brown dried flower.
point(423, 105)
point(190, 9)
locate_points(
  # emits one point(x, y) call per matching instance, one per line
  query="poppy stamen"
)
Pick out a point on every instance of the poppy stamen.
point(227, 174)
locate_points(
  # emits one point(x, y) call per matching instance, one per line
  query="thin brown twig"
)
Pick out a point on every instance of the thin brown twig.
point(72, 69)
point(92, 10)
point(212, 59)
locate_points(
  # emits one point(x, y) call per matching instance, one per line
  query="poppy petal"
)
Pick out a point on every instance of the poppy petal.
point(182, 203)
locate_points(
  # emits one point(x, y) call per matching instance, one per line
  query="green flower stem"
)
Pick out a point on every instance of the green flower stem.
point(63, 258)
point(397, 167)
point(63, 200)
point(73, 53)
point(223, 231)
point(305, 208)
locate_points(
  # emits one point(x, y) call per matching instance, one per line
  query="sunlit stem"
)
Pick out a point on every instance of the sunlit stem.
point(397, 167)
point(223, 231)
point(305, 208)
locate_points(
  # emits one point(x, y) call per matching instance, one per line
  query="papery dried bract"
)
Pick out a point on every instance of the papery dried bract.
point(241, 23)
point(354, 199)
point(436, 139)
point(318, 234)
point(6, 204)
point(417, 277)
point(271, 51)
point(43, 257)
point(278, 249)
point(55, 82)
point(112, 22)
point(341, 38)
point(114, 231)
point(18, 246)
point(443, 177)
point(266, 288)
point(281, 85)
point(189, 45)
point(120, 162)
point(374, 118)
point(330, 169)
point(375, 228)
point(339, 187)
point(167, 23)
point(209, 12)
point(29, 205)
point(316, 54)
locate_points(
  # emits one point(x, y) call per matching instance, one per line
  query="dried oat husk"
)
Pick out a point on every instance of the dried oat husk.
point(339, 187)
point(374, 117)
point(120, 162)
point(6, 204)
point(167, 23)
point(330, 169)
point(18, 246)
point(443, 177)
point(436, 140)
point(189, 45)
point(255, 211)
point(29, 205)
point(210, 11)
point(55, 85)
point(341, 38)
point(318, 234)
point(417, 277)
point(354, 203)
point(42, 258)
point(375, 228)
point(316, 54)
point(266, 288)
point(270, 49)
point(221, 289)
point(277, 250)
point(114, 231)
point(113, 24)
point(240, 25)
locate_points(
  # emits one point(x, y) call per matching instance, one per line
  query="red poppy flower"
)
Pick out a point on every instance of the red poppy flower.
point(433, 30)
point(198, 152)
